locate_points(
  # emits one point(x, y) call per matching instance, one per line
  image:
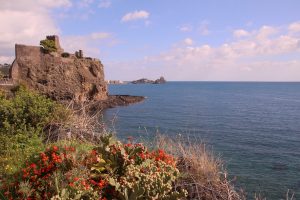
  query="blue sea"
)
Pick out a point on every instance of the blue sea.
point(253, 126)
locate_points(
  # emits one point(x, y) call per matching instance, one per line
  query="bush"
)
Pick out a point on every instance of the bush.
point(48, 45)
point(110, 171)
point(22, 119)
point(27, 111)
point(65, 55)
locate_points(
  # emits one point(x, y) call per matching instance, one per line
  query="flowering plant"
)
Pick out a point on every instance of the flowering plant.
point(133, 172)
point(112, 170)
point(58, 170)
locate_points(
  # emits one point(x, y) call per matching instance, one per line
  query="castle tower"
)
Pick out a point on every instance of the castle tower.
point(55, 38)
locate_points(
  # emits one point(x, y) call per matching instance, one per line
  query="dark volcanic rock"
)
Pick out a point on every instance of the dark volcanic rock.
point(142, 81)
point(114, 101)
point(161, 80)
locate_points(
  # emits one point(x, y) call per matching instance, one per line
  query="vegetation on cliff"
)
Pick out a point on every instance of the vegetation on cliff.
point(48, 152)
point(48, 45)
point(23, 116)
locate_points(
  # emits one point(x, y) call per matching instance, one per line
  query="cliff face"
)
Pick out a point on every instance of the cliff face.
point(60, 78)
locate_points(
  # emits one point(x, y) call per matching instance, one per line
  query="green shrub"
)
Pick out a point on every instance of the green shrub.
point(4, 70)
point(28, 111)
point(65, 55)
point(22, 119)
point(48, 45)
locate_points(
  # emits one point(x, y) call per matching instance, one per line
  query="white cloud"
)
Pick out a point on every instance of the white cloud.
point(267, 54)
point(294, 27)
point(26, 22)
point(241, 33)
point(100, 35)
point(136, 15)
point(57, 3)
point(104, 4)
point(186, 28)
point(84, 3)
point(90, 43)
point(265, 32)
point(188, 41)
point(30, 5)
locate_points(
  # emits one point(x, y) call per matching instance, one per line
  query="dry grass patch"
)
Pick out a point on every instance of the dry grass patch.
point(202, 174)
point(82, 125)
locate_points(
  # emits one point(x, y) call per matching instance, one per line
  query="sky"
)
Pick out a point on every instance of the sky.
point(182, 40)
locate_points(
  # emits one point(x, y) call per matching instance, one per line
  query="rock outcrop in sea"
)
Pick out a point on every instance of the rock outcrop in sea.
point(161, 80)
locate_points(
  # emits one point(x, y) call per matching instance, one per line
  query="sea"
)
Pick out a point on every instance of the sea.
point(254, 127)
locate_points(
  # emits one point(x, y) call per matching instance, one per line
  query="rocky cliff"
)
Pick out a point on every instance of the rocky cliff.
point(61, 76)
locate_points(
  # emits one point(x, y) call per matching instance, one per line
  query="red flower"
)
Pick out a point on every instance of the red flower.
point(56, 158)
point(33, 166)
point(72, 149)
point(93, 152)
point(55, 148)
point(101, 184)
point(128, 145)
point(93, 182)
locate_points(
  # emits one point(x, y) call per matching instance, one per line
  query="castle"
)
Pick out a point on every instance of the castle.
point(59, 75)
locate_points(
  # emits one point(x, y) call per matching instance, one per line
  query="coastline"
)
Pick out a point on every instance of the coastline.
point(114, 101)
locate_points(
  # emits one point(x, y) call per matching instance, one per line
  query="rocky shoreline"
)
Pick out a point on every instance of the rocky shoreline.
point(120, 100)
point(114, 101)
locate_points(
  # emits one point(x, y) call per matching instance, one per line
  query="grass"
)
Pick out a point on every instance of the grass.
point(202, 174)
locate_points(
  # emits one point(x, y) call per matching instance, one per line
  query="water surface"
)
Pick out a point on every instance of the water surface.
point(255, 127)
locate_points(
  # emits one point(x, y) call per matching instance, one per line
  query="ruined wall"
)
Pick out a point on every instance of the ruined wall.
point(80, 79)
point(24, 53)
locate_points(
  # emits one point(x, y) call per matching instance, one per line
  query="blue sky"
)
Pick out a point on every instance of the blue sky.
point(181, 40)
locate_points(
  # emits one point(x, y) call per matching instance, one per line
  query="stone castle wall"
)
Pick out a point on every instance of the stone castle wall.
point(72, 78)
point(24, 52)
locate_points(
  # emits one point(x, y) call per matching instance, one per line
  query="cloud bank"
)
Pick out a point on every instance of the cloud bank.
point(26, 22)
point(266, 54)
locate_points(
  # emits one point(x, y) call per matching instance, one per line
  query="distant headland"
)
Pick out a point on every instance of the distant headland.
point(161, 80)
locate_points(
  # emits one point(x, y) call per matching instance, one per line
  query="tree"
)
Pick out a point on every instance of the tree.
point(48, 45)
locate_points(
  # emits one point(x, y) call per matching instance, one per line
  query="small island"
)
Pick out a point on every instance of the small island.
point(161, 80)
